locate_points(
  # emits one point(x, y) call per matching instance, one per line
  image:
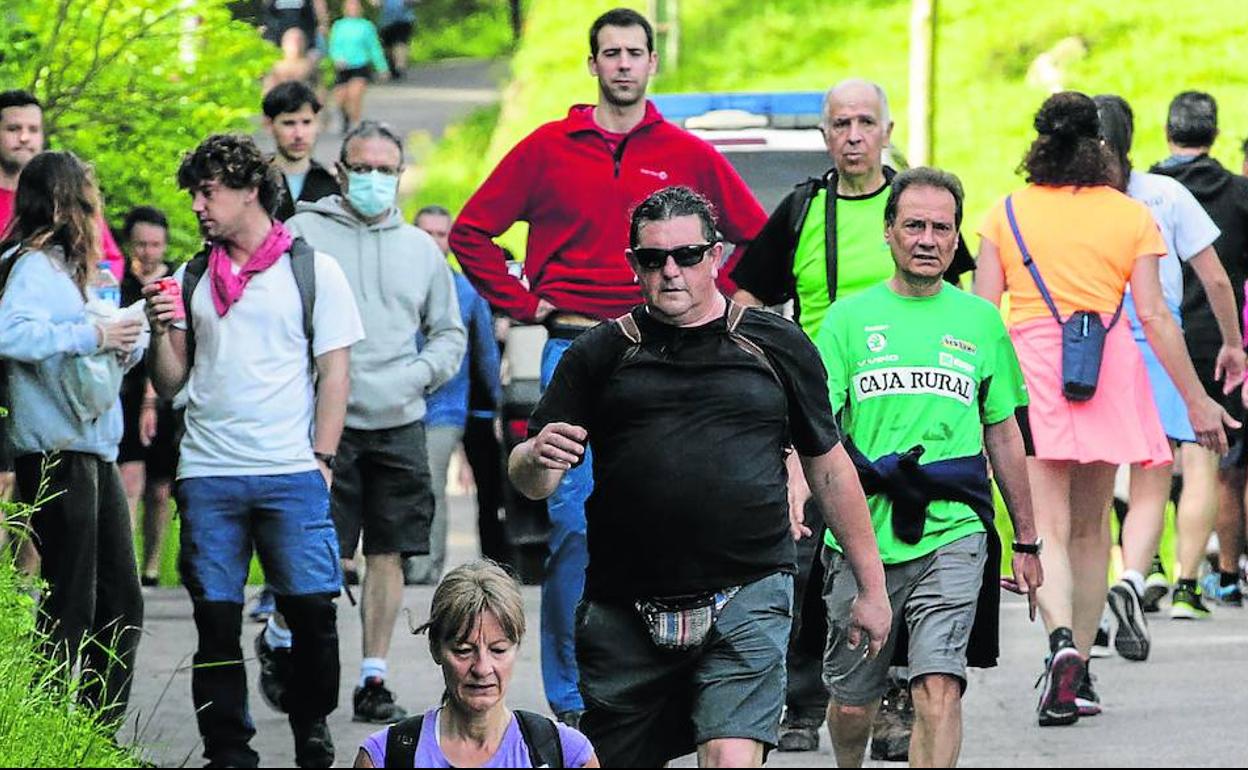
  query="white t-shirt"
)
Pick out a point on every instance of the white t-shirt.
point(250, 401)
point(1184, 225)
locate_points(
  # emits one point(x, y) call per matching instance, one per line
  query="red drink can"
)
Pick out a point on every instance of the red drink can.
point(170, 288)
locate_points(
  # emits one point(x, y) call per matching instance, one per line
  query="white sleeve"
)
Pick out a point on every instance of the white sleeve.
point(335, 317)
point(1193, 229)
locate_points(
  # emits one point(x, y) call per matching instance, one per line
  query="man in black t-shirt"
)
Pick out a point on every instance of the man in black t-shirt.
point(691, 403)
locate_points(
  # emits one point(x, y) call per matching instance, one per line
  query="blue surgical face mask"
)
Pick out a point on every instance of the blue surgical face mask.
point(371, 193)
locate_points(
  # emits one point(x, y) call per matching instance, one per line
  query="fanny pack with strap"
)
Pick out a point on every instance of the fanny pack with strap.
point(1083, 333)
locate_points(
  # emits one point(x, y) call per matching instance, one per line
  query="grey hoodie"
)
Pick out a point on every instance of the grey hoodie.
point(403, 287)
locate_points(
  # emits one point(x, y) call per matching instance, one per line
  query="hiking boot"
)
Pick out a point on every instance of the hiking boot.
point(374, 703)
point(890, 732)
point(313, 745)
point(798, 738)
point(1058, 687)
point(1086, 699)
point(264, 607)
point(1132, 638)
point(275, 668)
point(1186, 604)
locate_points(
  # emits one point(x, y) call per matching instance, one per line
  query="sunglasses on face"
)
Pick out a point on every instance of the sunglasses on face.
point(683, 256)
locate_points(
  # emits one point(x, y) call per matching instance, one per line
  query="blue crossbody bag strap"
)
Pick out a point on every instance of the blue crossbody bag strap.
point(1030, 264)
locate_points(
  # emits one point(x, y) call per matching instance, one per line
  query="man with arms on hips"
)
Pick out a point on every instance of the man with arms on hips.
point(692, 403)
point(919, 370)
point(574, 181)
point(406, 294)
point(265, 407)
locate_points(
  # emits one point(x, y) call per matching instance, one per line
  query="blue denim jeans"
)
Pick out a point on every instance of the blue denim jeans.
point(565, 569)
point(285, 517)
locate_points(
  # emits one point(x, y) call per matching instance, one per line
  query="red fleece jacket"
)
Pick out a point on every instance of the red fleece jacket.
point(576, 195)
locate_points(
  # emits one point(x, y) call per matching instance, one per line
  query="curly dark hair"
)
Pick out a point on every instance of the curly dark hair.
point(236, 162)
point(1068, 149)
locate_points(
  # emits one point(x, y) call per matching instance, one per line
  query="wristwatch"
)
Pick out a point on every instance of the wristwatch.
point(1031, 548)
point(326, 458)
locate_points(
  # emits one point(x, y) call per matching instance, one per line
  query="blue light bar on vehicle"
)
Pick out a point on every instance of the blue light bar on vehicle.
point(793, 105)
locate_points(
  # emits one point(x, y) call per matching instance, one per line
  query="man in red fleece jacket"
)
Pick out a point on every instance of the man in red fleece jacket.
point(574, 181)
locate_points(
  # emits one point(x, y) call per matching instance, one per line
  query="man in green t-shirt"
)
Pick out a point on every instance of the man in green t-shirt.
point(924, 377)
point(820, 245)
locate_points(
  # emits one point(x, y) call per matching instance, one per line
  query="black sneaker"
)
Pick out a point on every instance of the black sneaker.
point(374, 703)
point(798, 738)
point(1187, 604)
point(275, 667)
point(890, 732)
point(313, 745)
point(1132, 638)
point(1086, 699)
point(1058, 687)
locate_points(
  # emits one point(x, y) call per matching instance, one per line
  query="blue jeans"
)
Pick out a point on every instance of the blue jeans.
point(565, 569)
point(286, 518)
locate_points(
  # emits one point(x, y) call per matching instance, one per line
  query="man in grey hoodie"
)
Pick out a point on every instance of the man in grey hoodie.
point(403, 287)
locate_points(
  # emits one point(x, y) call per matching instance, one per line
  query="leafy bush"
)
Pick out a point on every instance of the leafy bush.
point(41, 724)
point(130, 86)
point(452, 28)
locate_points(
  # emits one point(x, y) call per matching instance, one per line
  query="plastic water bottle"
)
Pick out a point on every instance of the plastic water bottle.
point(106, 287)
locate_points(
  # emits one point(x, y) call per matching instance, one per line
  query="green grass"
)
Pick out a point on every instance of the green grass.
point(41, 725)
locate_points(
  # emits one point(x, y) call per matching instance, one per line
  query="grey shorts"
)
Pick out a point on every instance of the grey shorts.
point(935, 596)
point(646, 705)
point(382, 488)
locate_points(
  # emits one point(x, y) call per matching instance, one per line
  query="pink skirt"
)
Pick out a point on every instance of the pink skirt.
point(1118, 425)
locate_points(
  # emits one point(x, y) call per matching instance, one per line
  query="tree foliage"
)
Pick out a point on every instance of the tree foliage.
point(130, 85)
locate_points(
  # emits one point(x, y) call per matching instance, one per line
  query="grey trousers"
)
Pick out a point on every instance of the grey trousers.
point(440, 443)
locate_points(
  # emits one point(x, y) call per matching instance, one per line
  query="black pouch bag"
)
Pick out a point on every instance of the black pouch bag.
point(1083, 334)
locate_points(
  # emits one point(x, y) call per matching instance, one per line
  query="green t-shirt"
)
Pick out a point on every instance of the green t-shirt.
point(862, 256)
point(919, 370)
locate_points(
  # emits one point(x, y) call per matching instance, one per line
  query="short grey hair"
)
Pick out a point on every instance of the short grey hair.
point(367, 129)
point(885, 115)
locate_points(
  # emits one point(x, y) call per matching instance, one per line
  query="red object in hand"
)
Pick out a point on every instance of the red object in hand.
point(170, 287)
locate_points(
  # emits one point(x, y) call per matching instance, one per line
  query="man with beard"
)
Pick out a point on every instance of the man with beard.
point(574, 181)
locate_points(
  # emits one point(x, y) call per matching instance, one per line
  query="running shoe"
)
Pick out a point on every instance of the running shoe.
point(798, 738)
point(1187, 604)
point(1088, 702)
point(1100, 645)
point(1132, 638)
point(1223, 596)
point(1059, 685)
point(275, 667)
point(1156, 586)
point(374, 703)
point(264, 607)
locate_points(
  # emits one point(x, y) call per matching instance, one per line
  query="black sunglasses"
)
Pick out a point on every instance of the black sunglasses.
point(684, 256)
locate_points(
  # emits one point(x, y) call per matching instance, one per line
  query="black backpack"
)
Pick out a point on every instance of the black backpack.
point(302, 263)
point(540, 735)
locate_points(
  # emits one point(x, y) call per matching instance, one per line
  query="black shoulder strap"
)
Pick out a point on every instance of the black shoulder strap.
point(829, 235)
point(302, 264)
point(195, 269)
point(401, 740)
point(541, 736)
point(804, 193)
point(734, 316)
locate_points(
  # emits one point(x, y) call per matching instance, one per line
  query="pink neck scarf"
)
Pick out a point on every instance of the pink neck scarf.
point(227, 287)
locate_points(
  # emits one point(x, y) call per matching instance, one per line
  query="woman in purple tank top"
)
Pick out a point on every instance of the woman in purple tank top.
point(475, 627)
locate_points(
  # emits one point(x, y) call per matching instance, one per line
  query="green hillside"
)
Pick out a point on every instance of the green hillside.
point(984, 103)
